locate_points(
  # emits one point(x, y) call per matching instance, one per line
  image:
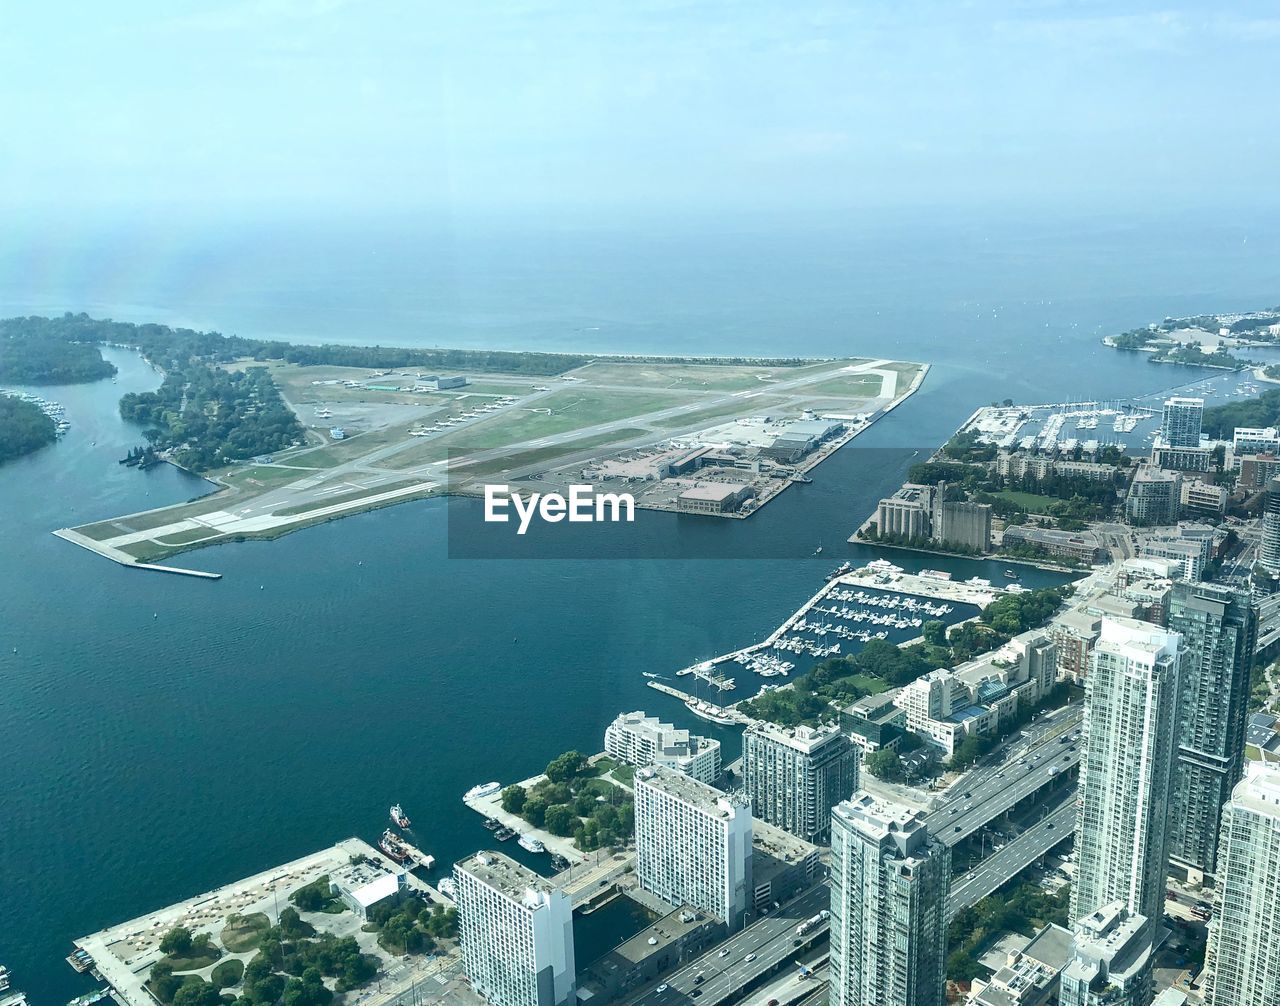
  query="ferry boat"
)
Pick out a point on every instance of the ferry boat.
point(448, 888)
point(484, 789)
point(393, 847)
point(1012, 574)
point(400, 818)
point(531, 844)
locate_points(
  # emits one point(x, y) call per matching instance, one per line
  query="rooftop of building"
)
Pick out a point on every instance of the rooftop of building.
point(1051, 946)
point(715, 492)
point(781, 845)
point(801, 738)
point(653, 939)
point(506, 876)
point(691, 791)
point(879, 819)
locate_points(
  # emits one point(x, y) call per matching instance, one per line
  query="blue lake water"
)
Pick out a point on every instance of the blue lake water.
point(160, 736)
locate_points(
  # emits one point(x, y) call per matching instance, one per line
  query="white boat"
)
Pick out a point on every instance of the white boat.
point(484, 789)
point(532, 844)
point(448, 888)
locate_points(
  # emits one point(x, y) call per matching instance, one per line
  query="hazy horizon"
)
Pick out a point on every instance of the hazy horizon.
point(328, 108)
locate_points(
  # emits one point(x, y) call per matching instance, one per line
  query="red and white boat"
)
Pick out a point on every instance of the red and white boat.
point(400, 818)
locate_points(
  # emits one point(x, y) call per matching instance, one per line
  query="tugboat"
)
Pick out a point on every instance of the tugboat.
point(400, 818)
point(492, 823)
point(504, 834)
point(393, 847)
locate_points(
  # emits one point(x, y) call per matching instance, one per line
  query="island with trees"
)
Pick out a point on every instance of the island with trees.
point(1204, 340)
point(32, 355)
point(24, 427)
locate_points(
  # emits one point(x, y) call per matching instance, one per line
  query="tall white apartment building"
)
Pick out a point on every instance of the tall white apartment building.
point(1110, 962)
point(890, 886)
point(1126, 769)
point(1244, 936)
point(693, 844)
point(1182, 421)
point(516, 931)
point(795, 775)
point(642, 740)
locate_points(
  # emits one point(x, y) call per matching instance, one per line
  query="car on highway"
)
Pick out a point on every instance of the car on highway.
point(723, 953)
point(663, 987)
point(749, 958)
point(698, 979)
point(695, 993)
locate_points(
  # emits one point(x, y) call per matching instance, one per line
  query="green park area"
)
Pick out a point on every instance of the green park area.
point(572, 799)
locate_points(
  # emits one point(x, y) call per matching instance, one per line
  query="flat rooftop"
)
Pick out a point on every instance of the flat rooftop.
point(716, 492)
point(505, 875)
point(691, 791)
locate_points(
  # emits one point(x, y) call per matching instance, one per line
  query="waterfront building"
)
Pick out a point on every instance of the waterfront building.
point(1155, 497)
point(1182, 421)
point(362, 887)
point(641, 740)
point(516, 931)
point(1244, 937)
point(1082, 545)
point(795, 775)
point(693, 844)
point(960, 523)
point(1110, 960)
point(907, 512)
point(1269, 550)
point(713, 498)
point(890, 884)
point(1126, 768)
point(1218, 625)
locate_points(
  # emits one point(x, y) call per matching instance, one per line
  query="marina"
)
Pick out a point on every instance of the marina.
point(53, 410)
point(852, 608)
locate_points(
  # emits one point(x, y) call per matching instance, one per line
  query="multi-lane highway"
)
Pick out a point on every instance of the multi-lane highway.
point(725, 970)
point(1003, 864)
point(984, 793)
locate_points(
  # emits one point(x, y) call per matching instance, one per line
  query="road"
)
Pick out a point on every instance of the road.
point(984, 793)
point(725, 970)
point(1001, 866)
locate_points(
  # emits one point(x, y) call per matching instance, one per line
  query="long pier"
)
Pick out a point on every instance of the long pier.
point(125, 559)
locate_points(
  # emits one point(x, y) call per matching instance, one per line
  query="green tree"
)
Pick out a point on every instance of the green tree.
point(176, 942)
point(513, 799)
point(196, 993)
point(560, 819)
point(535, 809)
point(885, 764)
point(935, 632)
point(566, 766)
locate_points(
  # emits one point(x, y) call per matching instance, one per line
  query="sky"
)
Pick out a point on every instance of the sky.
point(356, 106)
